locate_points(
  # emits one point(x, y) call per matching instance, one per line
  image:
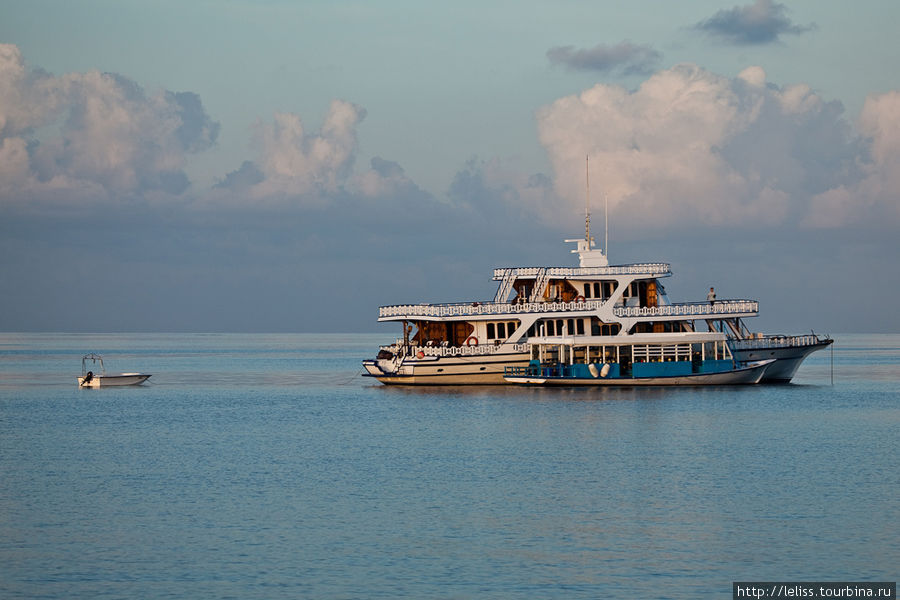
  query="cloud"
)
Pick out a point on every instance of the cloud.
point(93, 136)
point(693, 147)
point(295, 165)
point(875, 195)
point(387, 179)
point(314, 168)
point(493, 188)
point(759, 23)
point(625, 58)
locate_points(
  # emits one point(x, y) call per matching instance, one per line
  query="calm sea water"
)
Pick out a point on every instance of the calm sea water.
point(263, 466)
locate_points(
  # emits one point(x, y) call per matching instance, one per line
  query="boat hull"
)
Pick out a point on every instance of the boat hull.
point(456, 370)
point(788, 358)
point(114, 380)
point(788, 353)
point(748, 375)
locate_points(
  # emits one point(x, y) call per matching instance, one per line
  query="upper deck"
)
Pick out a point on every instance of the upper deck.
point(648, 269)
point(693, 310)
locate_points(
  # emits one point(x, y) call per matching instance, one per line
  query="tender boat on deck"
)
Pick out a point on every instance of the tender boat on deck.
point(104, 379)
point(477, 342)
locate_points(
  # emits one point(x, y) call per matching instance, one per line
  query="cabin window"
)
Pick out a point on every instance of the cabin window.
point(490, 331)
point(570, 327)
point(511, 328)
point(600, 328)
point(597, 292)
point(551, 328)
point(501, 330)
point(587, 290)
point(531, 330)
point(580, 324)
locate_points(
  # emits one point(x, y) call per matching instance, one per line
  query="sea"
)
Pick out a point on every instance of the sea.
point(266, 467)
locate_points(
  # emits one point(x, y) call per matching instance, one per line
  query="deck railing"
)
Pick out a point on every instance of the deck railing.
point(635, 269)
point(687, 309)
point(690, 309)
point(778, 341)
point(475, 350)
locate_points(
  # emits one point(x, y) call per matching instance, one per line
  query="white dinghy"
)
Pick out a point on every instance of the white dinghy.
point(103, 379)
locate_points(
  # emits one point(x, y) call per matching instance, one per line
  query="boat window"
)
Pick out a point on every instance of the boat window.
point(600, 328)
point(501, 330)
point(587, 290)
point(551, 329)
point(490, 331)
point(570, 327)
point(511, 328)
point(580, 324)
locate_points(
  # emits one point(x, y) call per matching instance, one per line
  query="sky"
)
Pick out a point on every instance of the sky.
point(282, 166)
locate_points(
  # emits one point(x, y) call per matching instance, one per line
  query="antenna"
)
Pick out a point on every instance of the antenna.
point(606, 211)
point(587, 201)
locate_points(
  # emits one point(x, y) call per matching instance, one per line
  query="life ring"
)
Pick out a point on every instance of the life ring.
point(420, 354)
point(471, 341)
point(579, 298)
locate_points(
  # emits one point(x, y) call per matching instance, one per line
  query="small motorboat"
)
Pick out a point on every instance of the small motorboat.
point(103, 379)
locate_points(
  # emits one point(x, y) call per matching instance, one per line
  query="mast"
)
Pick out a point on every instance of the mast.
point(606, 214)
point(588, 257)
point(587, 200)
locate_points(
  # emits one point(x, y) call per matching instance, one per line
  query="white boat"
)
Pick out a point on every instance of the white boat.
point(103, 379)
point(678, 358)
point(475, 342)
point(787, 350)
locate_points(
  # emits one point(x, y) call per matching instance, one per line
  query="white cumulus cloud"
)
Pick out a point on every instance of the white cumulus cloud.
point(92, 135)
point(691, 146)
point(875, 196)
point(305, 167)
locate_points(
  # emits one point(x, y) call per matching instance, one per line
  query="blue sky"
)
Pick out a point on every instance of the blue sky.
point(239, 165)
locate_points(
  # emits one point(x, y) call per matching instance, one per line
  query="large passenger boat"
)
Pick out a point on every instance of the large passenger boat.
point(613, 305)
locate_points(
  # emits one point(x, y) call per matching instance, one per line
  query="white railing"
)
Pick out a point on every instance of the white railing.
point(777, 341)
point(484, 308)
point(475, 350)
point(695, 309)
point(636, 269)
point(698, 309)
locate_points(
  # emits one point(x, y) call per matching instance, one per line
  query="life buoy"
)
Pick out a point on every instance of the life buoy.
point(579, 298)
point(471, 341)
point(420, 354)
